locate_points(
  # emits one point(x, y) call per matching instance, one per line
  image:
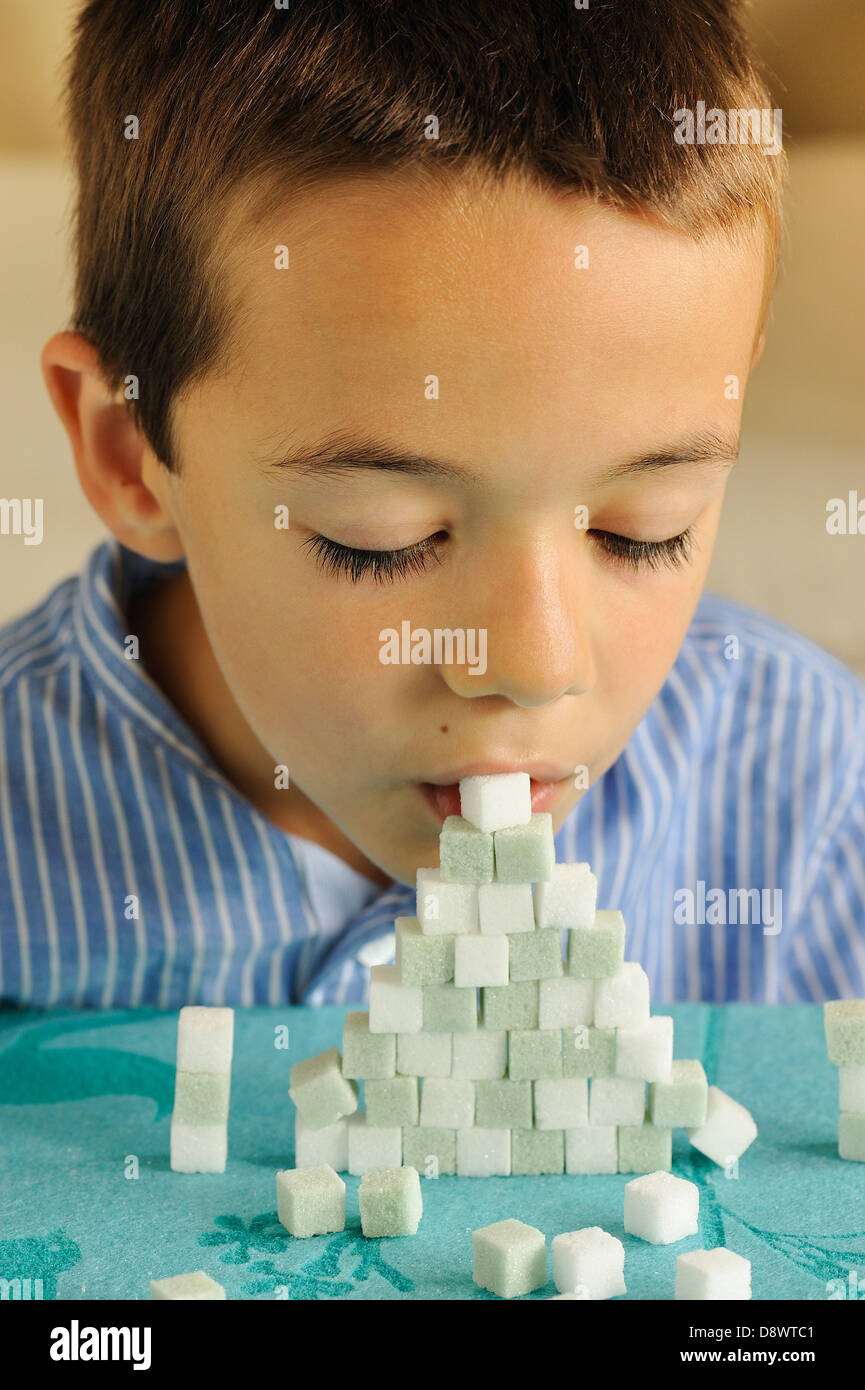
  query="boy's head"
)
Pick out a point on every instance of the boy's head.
point(453, 268)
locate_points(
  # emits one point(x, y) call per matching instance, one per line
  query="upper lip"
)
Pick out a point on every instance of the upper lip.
point(539, 772)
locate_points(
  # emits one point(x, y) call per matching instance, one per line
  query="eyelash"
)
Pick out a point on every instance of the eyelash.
point(385, 566)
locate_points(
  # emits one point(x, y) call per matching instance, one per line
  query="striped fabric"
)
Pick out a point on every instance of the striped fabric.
point(133, 873)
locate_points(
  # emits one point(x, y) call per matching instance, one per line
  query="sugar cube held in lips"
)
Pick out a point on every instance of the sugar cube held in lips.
point(497, 801)
point(509, 1258)
point(844, 1022)
point(526, 853)
point(567, 900)
point(320, 1091)
point(504, 908)
point(466, 853)
point(623, 1001)
point(393, 1006)
point(718, 1275)
point(445, 909)
point(589, 1260)
point(310, 1201)
point(727, 1131)
point(661, 1209)
point(205, 1039)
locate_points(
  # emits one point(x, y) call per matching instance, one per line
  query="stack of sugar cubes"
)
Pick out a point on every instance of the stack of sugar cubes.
point(844, 1021)
point(199, 1121)
point(550, 1074)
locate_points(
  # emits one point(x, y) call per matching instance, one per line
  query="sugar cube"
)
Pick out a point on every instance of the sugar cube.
point(447, 1009)
point(447, 1103)
point(480, 960)
point(561, 1103)
point(393, 1006)
point(727, 1130)
point(616, 1100)
point(391, 1103)
point(717, 1275)
point(535, 1151)
point(423, 959)
point(645, 1148)
point(567, 899)
point(851, 1136)
point(366, 1056)
point(510, 1006)
point(661, 1209)
point(566, 1003)
point(310, 1201)
point(593, 1149)
point(198, 1286)
point(432, 1151)
point(536, 955)
point(534, 1053)
point(505, 908)
point(320, 1091)
point(851, 1089)
point(681, 1100)
point(483, 1153)
point(313, 1148)
point(509, 1258)
point(480, 1056)
point(588, 1051)
point(646, 1052)
point(445, 909)
point(589, 1261)
point(372, 1146)
point(424, 1054)
point(844, 1022)
point(504, 1104)
point(623, 1000)
point(198, 1148)
point(205, 1038)
point(466, 853)
point(526, 853)
point(201, 1097)
point(390, 1202)
point(497, 801)
point(597, 951)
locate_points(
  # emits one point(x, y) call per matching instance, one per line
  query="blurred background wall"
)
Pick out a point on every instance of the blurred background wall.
point(804, 436)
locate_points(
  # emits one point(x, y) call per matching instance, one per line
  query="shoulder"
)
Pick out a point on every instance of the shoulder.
point(40, 641)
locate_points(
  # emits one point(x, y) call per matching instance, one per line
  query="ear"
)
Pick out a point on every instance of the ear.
point(111, 455)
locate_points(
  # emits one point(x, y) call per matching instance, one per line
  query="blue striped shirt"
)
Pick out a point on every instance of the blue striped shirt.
point(132, 872)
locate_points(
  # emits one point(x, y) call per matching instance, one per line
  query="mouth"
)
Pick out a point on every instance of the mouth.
point(443, 798)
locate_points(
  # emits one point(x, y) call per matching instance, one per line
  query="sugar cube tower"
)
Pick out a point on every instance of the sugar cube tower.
point(844, 1022)
point(199, 1121)
point(551, 1072)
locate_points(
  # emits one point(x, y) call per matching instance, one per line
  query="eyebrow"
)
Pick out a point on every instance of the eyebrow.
point(342, 453)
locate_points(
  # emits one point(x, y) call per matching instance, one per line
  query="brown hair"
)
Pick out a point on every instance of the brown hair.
point(238, 93)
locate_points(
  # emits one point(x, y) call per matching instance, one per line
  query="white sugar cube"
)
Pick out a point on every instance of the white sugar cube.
point(728, 1129)
point(646, 1052)
point(504, 908)
point(313, 1148)
point(594, 1149)
point(568, 899)
point(562, 1103)
point(660, 1208)
point(393, 1006)
point(481, 1055)
point(617, 1100)
point(198, 1148)
point(497, 801)
point(445, 909)
point(622, 1000)
point(198, 1286)
point(423, 1054)
point(717, 1275)
point(566, 1003)
point(447, 1104)
point(372, 1146)
point(483, 1153)
point(589, 1261)
point(851, 1089)
point(205, 1039)
point(480, 960)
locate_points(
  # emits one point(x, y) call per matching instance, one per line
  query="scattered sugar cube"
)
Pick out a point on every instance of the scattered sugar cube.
point(566, 1003)
point(680, 1101)
point(201, 1097)
point(851, 1136)
point(715, 1275)
point(372, 1146)
point(588, 1051)
point(592, 1150)
point(480, 1056)
point(480, 960)
point(466, 853)
point(313, 1148)
point(645, 1148)
point(844, 1022)
point(536, 955)
point(198, 1148)
point(497, 801)
point(646, 1052)
point(310, 1201)
point(503, 1104)
point(505, 908)
point(483, 1153)
point(509, 1258)
point(447, 1009)
point(561, 1103)
point(568, 898)
point(205, 1038)
point(623, 1000)
point(589, 1259)
point(597, 951)
point(534, 1054)
point(394, 1007)
point(198, 1286)
point(390, 1202)
point(660, 1208)
point(535, 1151)
point(320, 1091)
point(616, 1100)
point(433, 1152)
point(424, 1054)
point(510, 1006)
point(447, 1104)
point(391, 1103)
point(851, 1089)
point(423, 959)
point(366, 1056)
point(445, 909)
point(727, 1131)
point(526, 853)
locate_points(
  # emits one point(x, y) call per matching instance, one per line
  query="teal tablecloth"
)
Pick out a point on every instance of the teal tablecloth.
point(89, 1205)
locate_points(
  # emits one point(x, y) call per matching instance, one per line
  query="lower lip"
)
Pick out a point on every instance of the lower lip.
point(445, 801)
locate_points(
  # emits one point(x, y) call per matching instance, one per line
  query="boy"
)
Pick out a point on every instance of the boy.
point(389, 326)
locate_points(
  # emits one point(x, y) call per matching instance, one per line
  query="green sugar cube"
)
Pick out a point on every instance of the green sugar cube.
point(390, 1202)
point(526, 853)
point(366, 1056)
point(588, 1051)
point(510, 1006)
point(422, 959)
point(537, 1151)
point(681, 1101)
point(536, 955)
point(466, 853)
point(198, 1286)
point(201, 1097)
point(310, 1201)
point(645, 1148)
point(320, 1091)
point(503, 1104)
point(447, 1009)
point(535, 1054)
point(509, 1258)
point(844, 1021)
point(598, 951)
point(851, 1135)
point(433, 1152)
point(391, 1102)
